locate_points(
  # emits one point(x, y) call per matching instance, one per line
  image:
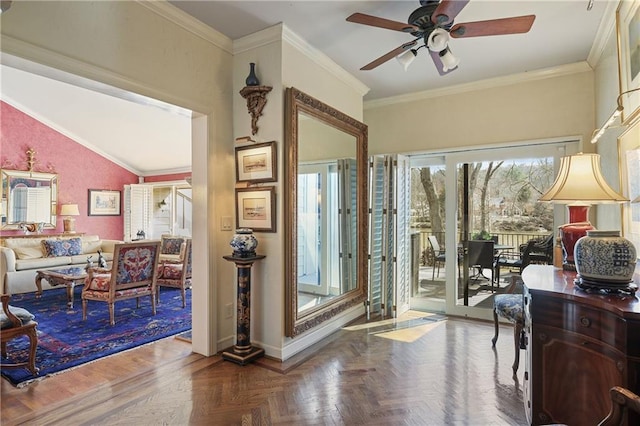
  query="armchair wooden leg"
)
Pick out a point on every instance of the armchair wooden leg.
point(153, 302)
point(184, 297)
point(84, 309)
point(517, 328)
point(496, 327)
point(112, 319)
point(33, 345)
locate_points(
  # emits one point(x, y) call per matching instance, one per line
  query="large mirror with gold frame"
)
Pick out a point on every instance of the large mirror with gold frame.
point(326, 212)
point(28, 197)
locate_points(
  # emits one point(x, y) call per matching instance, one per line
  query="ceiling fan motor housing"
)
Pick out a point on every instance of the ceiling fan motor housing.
point(421, 18)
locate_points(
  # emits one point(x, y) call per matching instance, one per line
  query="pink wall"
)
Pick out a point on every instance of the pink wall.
point(79, 169)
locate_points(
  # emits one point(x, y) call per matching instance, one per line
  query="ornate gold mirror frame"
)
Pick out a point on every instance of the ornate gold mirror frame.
point(297, 104)
point(29, 196)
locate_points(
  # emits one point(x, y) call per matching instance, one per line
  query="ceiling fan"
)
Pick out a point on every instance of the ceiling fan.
point(433, 23)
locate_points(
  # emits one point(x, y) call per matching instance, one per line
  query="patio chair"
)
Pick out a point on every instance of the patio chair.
point(510, 306)
point(438, 255)
point(481, 256)
point(16, 322)
point(133, 275)
point(534, 251)
point(176, 274)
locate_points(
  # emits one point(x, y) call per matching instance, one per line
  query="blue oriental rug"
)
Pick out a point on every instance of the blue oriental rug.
point(66, 341)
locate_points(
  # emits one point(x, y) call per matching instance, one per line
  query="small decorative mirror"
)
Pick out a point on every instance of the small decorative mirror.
point(326, 210)
point(28, 197)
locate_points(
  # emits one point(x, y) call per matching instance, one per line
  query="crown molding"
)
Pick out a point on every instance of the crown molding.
point(37, 60)
point(258, 39)
point(281, 32)
point(577, 67)
point(606, 29)
point(189, 23)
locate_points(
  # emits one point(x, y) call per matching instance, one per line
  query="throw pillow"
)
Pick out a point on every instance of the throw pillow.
point(65, 247)
point(171, 245)
point(28, 252)
point(91, 246)
point(22, 314)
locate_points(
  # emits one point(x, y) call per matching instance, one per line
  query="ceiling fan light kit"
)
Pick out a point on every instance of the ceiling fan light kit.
point(449, 62)
point(438, 40)
point(433, 24)
point(405, 59)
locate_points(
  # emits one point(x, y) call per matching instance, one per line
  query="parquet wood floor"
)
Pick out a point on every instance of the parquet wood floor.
point(448, 375)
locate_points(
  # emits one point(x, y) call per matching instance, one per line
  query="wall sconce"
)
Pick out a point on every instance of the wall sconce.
point(579, 184)
point(599, 132)
point(69, 210)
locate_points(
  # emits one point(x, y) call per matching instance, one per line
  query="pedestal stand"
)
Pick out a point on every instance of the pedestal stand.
point(242, 352)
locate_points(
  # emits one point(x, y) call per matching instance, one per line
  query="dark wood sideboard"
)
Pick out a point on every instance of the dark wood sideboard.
point(578, 346)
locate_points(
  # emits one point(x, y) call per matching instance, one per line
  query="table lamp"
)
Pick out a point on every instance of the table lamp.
point(69, 210)
point(579, 184)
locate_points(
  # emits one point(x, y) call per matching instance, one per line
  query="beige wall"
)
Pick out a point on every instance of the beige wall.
point(130, 46)
point(282, 60)
point(541, 109)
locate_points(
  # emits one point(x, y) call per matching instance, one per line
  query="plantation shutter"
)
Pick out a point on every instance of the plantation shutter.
point(137, 210)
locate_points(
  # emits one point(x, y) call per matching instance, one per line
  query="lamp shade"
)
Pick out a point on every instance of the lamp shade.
point(69, 210)
point(580, 181)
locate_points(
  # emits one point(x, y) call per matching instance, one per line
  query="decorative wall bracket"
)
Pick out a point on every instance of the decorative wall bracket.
point(32, 164)
point(256, 97)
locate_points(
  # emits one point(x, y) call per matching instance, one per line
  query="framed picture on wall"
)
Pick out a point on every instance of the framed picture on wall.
point(256, 209)
point(256, 163)
point(629, 157)
point(104, 202)
point(628, 26)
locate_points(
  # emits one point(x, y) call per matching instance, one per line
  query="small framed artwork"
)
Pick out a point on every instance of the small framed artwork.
point(104, 202)
point(256, 163)
point(256, 209)
point(628, 26)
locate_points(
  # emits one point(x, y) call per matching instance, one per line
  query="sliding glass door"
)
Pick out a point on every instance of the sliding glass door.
point(468, 208)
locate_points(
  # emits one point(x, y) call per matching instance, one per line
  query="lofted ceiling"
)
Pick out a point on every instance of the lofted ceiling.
point(125, 128)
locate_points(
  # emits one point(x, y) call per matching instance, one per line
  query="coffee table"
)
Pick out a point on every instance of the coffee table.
point(69, 277)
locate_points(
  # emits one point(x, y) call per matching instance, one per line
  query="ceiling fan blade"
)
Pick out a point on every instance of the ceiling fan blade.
point(515, 25)
point(384, 58)
point(374, 21)
point(438, 63)
point(447, 10)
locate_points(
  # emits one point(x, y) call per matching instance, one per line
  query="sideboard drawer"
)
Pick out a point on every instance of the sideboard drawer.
point(601, 325)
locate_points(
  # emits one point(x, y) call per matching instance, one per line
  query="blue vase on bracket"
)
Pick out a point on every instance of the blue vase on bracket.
point(252, 78)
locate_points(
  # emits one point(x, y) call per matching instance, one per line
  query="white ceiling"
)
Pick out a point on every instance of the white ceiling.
point(562, 33)
point(126, 130)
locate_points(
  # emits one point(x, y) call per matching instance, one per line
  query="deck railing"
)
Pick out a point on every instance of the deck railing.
point(511, 239)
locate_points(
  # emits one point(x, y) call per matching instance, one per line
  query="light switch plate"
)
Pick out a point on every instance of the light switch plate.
point(225, 223)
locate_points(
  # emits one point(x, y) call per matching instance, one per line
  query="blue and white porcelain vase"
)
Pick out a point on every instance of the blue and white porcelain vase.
point(244, 243)
point(605, 257)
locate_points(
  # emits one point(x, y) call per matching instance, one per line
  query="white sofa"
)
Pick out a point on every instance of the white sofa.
point(20, 258)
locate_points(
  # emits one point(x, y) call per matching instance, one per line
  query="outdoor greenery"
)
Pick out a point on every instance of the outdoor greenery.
point(504, 196)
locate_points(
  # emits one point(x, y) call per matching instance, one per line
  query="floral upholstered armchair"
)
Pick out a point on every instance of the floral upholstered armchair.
point(133, 275)
point(176, 274)
point(172, 248)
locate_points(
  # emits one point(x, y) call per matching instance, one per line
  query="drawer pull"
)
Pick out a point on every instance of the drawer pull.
point(585, 322)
